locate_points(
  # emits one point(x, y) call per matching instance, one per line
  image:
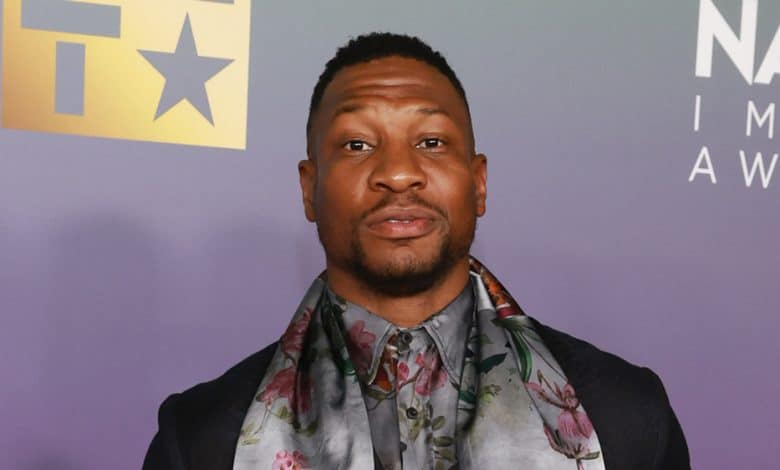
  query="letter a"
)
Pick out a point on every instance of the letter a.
point(703, 166)
point(771, 64)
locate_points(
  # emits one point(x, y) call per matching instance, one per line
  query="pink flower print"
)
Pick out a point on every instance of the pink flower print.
point(432, 375)
point(282, 385)
point(285, 460)
point(302, 398)
point(572, 450)
point(360, 345)
point(385, 372)
point(536, 388)
point(573, 424)
point(568, 396)
point(402, 373)
point(292, 340)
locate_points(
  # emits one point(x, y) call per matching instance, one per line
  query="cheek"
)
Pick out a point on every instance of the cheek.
point(337, 196)
point(463, 215)
point(457, 194)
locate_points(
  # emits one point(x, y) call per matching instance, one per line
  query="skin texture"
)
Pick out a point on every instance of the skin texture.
point(391, 141)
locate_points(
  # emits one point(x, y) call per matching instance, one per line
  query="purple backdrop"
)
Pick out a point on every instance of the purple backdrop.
point(131, 270)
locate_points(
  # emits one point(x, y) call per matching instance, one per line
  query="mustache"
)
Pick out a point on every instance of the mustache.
point(411, 199)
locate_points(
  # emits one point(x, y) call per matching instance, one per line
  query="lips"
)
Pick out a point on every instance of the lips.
point(399, 222)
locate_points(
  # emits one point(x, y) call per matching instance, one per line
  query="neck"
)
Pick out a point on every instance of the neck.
point(404, 311)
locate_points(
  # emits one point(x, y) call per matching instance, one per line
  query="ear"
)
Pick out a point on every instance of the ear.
point(479, 173)
point(307, 173)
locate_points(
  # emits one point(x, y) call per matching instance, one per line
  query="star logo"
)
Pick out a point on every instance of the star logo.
point(174, 71)
point(186, 74)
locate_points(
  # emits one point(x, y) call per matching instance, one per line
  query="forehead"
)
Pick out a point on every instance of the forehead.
point(392, 81)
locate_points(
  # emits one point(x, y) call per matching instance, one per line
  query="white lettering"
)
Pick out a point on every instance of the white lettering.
point(703, 166)
point(752, 114)
point(771, 64)
point(740, 49)
point(758, 163)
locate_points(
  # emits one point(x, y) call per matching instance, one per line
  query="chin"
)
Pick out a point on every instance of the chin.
point(403, 273)
point(410, 257)
point(404, 266)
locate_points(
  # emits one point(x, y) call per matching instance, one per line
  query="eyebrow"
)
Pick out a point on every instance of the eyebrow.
point(355, 107)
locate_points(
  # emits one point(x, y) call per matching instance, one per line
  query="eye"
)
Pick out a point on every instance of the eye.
point(357, 146)
point(430, 143)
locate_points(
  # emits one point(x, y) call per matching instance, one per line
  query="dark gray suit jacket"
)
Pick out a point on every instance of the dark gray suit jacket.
point(637, 429)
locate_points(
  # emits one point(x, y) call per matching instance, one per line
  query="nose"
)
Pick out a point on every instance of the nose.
point(397, 169)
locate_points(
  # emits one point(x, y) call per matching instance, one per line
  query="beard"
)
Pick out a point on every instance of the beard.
point(409, 275)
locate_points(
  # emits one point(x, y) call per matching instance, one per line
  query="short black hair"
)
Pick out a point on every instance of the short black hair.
point(377, 45)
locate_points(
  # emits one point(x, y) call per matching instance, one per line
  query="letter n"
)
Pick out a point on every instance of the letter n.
point(740, 49)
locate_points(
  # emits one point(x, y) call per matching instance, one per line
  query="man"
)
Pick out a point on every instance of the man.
point(408, 353)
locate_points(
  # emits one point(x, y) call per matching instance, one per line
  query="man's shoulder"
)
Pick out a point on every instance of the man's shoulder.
point(199, 427)
point(584, 362)
point(600, 375)
point(239, 381)
point(627, 404)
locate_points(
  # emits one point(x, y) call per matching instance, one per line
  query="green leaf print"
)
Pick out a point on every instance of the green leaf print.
point(330, 323)
point(310, 429)
point(446, 454)
point(438, 423)
point(468, 396)
point(516, 331)
point(482, 339)
point(285, 415)
point(415, 429)
point(523, 356)
point(376, 394)
point(485, 365)
point(486, 395)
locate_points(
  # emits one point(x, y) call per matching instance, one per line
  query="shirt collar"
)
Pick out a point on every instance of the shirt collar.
point(366, 334)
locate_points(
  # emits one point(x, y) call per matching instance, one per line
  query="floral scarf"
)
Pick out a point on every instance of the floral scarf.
point(309, 411)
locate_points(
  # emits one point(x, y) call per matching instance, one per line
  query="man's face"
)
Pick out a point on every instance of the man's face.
point(391, 180)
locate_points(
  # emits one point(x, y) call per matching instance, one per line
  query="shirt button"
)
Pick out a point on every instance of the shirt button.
point(411, 413)
point(405, 338)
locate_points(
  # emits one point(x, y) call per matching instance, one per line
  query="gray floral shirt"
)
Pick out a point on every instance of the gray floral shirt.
point(347, 390)
point(410, 379)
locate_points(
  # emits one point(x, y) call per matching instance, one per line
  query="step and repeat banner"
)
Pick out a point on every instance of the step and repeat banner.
point(152, 232)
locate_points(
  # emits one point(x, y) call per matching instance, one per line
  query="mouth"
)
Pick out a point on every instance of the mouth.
point(398, 223)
